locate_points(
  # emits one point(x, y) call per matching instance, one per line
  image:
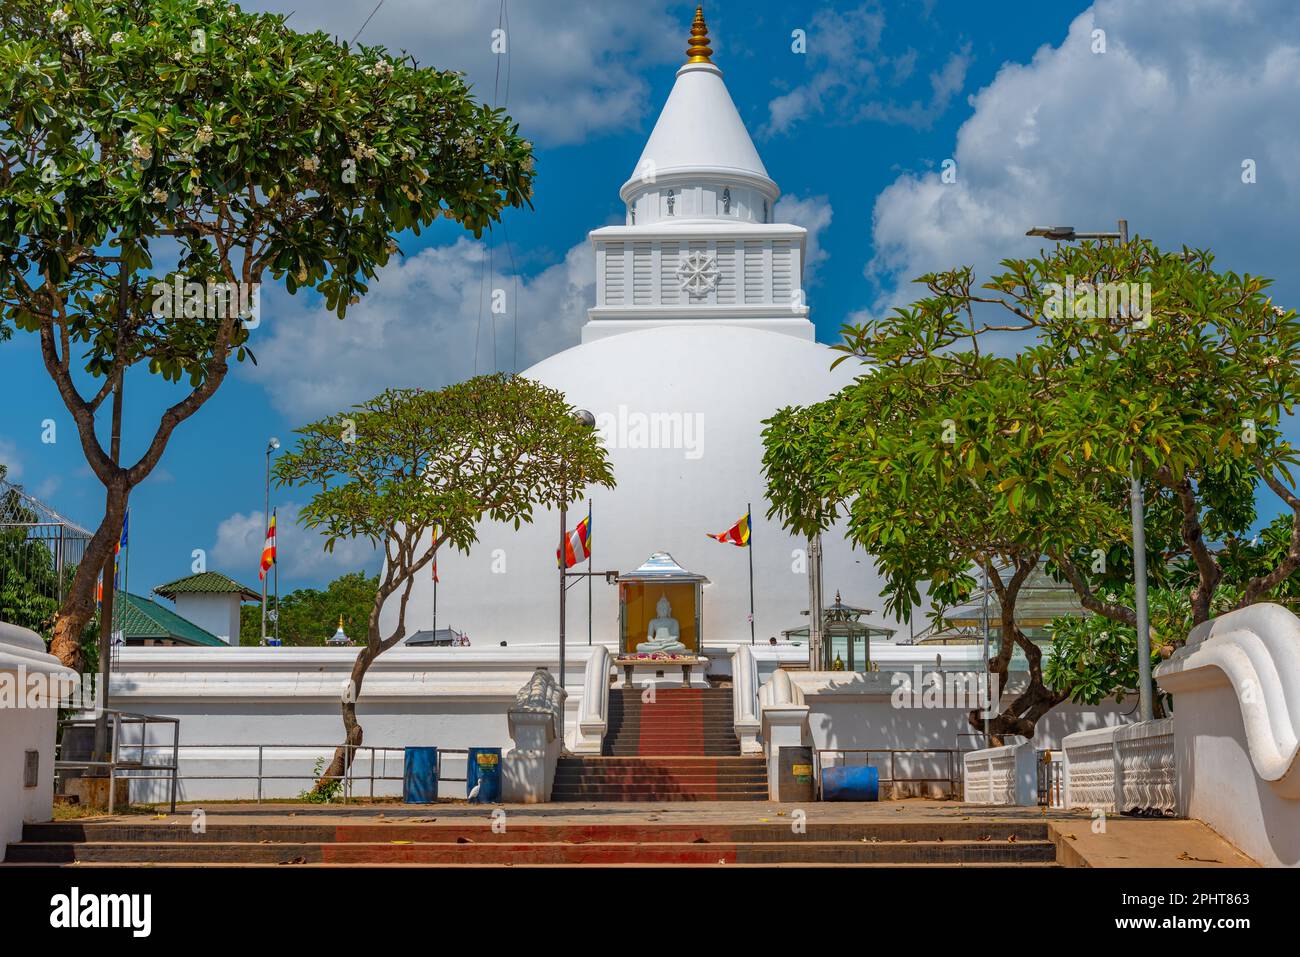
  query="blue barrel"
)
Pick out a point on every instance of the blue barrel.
point(858, 783)
point(420, 776)
point(484, 769)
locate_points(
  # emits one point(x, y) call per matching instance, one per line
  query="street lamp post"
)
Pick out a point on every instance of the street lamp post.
point(584, 418)
point(271, 446)
point(1145, 706)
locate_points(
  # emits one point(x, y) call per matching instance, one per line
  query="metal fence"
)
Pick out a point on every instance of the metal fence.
point(359, 779)
point(39, 554)
point(952, 780)
point(1051, 779)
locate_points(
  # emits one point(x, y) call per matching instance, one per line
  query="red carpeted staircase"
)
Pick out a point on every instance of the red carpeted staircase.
point(677, 745)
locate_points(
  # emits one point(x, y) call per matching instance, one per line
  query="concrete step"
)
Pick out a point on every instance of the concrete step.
point(791, 851)
point(277, 830)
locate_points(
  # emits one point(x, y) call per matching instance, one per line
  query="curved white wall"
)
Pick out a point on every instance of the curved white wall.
point(1236, 687)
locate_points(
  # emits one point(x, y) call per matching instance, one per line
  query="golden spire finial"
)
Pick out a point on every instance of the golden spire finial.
point(698, 51)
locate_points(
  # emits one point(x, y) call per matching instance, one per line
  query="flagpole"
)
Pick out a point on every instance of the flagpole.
point(590, 566)
point(749, 515)
point(275, 568)
point(435, 593)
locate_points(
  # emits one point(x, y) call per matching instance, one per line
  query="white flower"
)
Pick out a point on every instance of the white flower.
point(117, 37)
point(159, 195)
point(381, 68)
point(246, 77)
point(311, 163)
point(195, 189)
point(362, 151)
point(82, 38)
point(204, 136)
point(58, 15)
point(253, 41)
point(141, 150)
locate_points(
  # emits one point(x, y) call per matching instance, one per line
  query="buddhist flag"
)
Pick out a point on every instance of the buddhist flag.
point(435, 567)
point(577, 544)
point(268, 550)
point(738, 534)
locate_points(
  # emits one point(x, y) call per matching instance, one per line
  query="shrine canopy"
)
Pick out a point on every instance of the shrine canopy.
point(640, 593)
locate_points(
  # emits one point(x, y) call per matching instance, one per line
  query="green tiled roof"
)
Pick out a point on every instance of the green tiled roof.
point(139, 617)
point(206, 583)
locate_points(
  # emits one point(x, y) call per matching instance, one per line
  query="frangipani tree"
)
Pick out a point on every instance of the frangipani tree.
point(1001, 423)
point(149, 146)
point(411, 471)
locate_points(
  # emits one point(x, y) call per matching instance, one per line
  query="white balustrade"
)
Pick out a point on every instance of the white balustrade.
point(744, 700)
point(1003, 776)
point(1123, 768)
point(593, 713)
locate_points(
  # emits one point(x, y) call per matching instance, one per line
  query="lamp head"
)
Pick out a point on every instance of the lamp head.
point(584, 418)
point(1059, 233)
point(272, 445)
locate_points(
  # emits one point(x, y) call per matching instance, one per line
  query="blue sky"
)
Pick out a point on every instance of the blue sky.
point(1043, 126)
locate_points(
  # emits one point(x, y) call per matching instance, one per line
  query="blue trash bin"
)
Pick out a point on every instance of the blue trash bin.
point(858, 783)
point(420, 776)
point(484, 769)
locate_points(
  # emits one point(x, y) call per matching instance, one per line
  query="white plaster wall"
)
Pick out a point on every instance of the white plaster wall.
point(1236, 688)
point(229, 700)
point(1217, 782)
point(23, 729)
point(218, 614)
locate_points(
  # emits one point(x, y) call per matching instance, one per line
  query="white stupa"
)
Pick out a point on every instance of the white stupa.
point(699, 332)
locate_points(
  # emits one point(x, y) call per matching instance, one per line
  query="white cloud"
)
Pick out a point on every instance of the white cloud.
point(300, 550)
point(814, 215)
point(570, 73)
point(420, 325)
point(852, 72)
point(1153, 130)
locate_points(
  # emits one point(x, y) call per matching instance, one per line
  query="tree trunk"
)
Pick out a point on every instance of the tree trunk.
point(346, 753)
point(79, 604)
point(1021, 715)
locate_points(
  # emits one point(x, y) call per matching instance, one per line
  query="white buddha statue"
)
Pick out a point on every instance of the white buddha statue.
point(663, 634)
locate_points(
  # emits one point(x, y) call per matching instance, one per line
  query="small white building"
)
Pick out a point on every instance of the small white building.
point(210, 600)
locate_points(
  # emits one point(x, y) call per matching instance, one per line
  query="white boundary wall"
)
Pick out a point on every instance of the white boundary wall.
point(24, 729)
point(1236, 687)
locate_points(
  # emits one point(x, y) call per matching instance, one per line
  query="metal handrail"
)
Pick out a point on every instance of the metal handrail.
point(261, 776)
point(115, 761)
point(953, 780)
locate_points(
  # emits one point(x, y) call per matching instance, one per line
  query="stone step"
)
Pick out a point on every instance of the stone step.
point(478, 830)
point(505, 852)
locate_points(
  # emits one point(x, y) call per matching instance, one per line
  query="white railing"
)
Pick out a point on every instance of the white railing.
point(744, 700)
point(1004, 776)
point(1124, 768)
point(593, 713)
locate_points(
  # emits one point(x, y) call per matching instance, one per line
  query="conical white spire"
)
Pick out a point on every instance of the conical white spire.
point(699, 137)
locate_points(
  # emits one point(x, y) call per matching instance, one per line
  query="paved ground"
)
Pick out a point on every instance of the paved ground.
point(1125, 842)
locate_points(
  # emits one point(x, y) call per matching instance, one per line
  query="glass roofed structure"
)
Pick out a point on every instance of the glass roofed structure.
point(1040, 600)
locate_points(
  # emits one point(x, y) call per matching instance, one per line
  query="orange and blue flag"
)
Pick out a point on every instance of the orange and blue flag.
point(577, 544)
point(737, 535)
